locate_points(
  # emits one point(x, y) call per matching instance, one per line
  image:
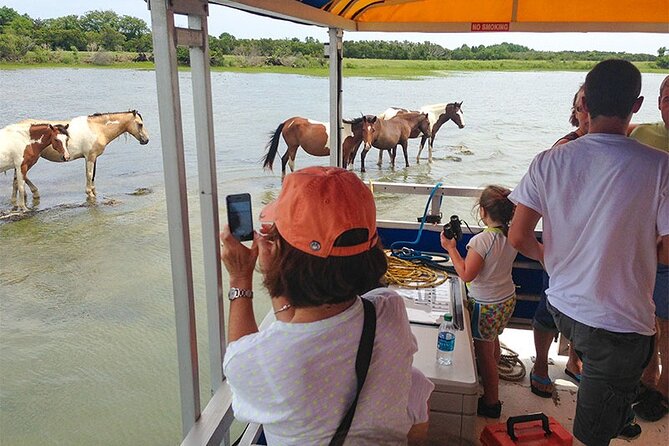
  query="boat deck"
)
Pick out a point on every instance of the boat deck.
point(518, 400)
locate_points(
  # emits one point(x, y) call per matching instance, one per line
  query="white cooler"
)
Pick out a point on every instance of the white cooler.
point(453, 402)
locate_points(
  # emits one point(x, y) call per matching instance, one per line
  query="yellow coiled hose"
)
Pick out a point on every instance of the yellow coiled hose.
point(412, 275)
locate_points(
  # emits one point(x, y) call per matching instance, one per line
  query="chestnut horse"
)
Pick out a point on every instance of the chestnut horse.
point(386, 134)
point(90, 135)
point(313, 137)
point(438, 115)
point(21, 147)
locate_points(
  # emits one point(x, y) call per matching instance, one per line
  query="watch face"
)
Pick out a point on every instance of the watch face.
point(234, 293)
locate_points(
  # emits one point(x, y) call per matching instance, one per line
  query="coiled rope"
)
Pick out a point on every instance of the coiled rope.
point(412, 274)
point(510, 368)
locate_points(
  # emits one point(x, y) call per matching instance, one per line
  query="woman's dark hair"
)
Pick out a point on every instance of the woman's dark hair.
point(494, 200)
point(573, 120)
point(309, 281)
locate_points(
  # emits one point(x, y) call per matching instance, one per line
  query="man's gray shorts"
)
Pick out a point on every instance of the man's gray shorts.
point(612, 366)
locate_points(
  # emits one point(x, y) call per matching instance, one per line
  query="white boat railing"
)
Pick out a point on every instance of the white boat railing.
point(422, 189)
point(212, 428)
point(435, 205)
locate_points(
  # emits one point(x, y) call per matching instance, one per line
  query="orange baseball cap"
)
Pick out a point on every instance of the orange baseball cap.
point(324, 211)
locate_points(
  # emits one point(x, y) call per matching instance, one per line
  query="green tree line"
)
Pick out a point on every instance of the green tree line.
point(24, 39)
point(93, 31)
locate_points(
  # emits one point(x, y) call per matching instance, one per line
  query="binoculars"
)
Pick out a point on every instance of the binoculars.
point(453, 229)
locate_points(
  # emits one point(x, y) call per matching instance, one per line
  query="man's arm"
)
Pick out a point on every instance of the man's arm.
point(663, 250)
point(521, 233)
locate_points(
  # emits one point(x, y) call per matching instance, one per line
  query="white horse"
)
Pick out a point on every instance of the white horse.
point(90, 135)
point(21, 147)
point(437, 114)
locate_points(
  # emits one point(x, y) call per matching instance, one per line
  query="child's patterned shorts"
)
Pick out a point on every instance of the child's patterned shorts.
point(489, 320)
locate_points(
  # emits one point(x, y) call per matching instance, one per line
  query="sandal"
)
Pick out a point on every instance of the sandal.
point(575, 376)
point(652, 407)
point(644, 391)
point(542, 381)
point(631, 431)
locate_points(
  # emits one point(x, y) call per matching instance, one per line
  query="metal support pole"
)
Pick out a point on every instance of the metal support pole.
point(171, 133)
point(206, 160)
point(335, 58)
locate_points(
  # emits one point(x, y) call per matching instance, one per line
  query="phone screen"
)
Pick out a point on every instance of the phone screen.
point(240, 217)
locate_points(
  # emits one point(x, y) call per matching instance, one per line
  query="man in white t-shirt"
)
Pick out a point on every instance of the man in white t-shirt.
point(604, 200)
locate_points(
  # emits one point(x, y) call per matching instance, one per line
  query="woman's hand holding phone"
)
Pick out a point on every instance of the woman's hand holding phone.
point(238, 259)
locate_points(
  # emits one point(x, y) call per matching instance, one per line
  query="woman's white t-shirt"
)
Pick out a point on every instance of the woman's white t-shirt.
point(298, 380)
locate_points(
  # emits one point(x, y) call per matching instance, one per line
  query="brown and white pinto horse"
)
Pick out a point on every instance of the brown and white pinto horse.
point(386, 134)
point(313, 137)
point(21, 147)
point(438, 114)
point(90, 135)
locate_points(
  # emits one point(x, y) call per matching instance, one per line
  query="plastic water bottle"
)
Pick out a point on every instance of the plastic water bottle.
point(446, 341)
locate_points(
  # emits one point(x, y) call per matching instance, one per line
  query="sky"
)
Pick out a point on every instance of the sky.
point(244, 25)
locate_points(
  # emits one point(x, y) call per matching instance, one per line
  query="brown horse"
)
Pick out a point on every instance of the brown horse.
point(21, 147)
point(313, 137)
point(438, 114)
point(386, 134)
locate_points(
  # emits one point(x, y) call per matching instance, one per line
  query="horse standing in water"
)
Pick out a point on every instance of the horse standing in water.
point(90, 135)
point(438, 115)
point(314, 138)
point(386, 134)
point(21, 147)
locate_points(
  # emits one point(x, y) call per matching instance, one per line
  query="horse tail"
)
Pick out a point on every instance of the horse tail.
point(272, 147)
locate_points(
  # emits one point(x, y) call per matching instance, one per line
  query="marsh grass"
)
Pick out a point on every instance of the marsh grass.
point(380, 68)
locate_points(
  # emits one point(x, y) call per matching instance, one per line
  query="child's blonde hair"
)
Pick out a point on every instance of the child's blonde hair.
point(494, 200)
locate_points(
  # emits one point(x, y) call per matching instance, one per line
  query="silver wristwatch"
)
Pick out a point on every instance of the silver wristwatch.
point(236, 293)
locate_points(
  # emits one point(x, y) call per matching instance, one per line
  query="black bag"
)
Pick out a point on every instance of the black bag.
point(362, 361)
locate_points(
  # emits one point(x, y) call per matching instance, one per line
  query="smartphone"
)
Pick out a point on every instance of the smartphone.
point(240, 218)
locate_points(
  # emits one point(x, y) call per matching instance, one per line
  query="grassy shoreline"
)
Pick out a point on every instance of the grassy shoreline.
point(398, 69)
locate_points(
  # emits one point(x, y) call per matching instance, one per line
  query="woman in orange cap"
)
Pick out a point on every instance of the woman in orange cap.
point(322, 263)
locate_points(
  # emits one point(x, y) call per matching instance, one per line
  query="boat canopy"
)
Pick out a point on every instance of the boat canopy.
point(468, 15)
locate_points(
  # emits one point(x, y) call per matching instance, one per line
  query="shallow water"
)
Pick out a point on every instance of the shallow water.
point(87, 339)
